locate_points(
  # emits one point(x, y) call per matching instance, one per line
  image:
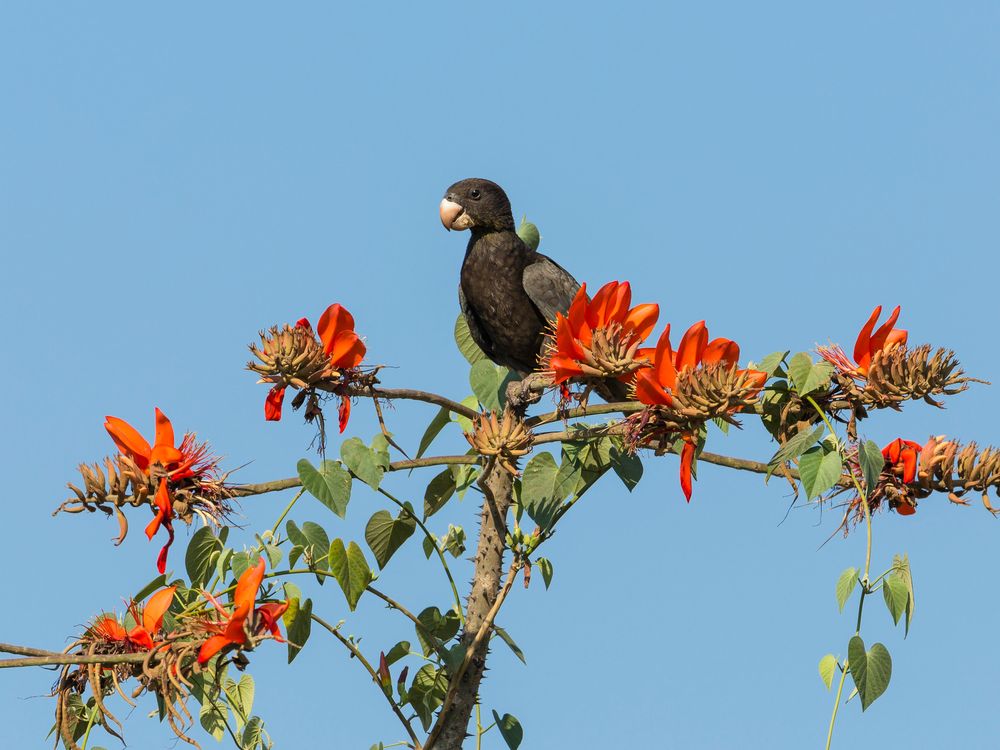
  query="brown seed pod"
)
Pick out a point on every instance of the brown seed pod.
point(899, 374)
point(506, 438)
point(292, 355)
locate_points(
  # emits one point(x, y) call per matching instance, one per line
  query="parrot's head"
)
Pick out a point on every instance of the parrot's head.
point(476, 204)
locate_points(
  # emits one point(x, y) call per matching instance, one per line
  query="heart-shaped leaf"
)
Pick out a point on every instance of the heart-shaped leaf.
point(363, 462)
point(330, 484)
point(386, 534)
point(870, 669)
point(827, 665)
point(845, 585)
point(350, 569)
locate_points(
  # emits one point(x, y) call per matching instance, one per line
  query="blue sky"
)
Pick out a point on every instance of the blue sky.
point(173, 180)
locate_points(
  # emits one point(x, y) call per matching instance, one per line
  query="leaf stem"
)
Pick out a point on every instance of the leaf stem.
point(437, 548)
point(836, 704)
point(288, 508)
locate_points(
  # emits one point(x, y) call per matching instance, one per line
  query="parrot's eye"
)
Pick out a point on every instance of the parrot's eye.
point(474, 194)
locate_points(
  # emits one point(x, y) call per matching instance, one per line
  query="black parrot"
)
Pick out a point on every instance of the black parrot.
point(508, 291)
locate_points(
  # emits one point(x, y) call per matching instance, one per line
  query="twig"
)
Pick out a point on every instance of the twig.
point(374, 675)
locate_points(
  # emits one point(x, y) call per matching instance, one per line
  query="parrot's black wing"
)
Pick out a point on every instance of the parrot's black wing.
point(478, 334)
point(549, 286)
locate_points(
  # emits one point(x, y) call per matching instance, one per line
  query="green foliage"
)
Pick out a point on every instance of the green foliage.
point(311, 543)
point(872, 462)
point(159, 582)
point(427, 692)
point(896, 597)
point(442, 627)
point(330, 484)
point(297, 619)
point(240, 696)
point(397, 652)
point(541, 490)
point(438, 492)
point(808, 376)
point(367, 464)
point(505, 637)
point(545, 566)
point(489, 384)
point(820, 469)
point(827, 666)
point(350, 569)
point(845, 585)
point(463, 338)
point(529, 234)
point(386, 534)
point(901, 571)
point(202, 553)
point(442, 418)
point(510, 729)
point(627, 466)
point(870, 669)
point(771, 364)
point(794, 447)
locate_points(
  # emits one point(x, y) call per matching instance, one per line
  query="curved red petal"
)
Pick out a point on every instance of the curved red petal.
point(862, 347)
point(347, 350)
point(129, 441)
point(141, 637)
point(909, 457)
point(905, 510)
point(211, 647)
point(343, 413)
point(721, 350)
point(577, 312)
point(692, 346)
point(641, 320)
point(110, 629)
point(648, 391)
point(663, 361)
point(618, 304)
point(246, 590)
point(334, 320)
point(880, 336)
point(156, 607)
point(687, 462)
point(273, 402)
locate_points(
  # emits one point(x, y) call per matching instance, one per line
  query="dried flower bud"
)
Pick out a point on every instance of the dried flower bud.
point(291, 355)
point(506, 438)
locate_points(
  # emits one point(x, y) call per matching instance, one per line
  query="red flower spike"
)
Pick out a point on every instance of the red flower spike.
point(573, 340)
point(156, 607)
point(273, 402)
point(129, 441)
point(343, 413)
point(869, 343)
point(150, 620)
point(902, 456)
point(234, 628)
point(336, 331)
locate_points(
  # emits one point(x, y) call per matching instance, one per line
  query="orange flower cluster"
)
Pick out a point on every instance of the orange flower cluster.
point(247, 620)
point(175, 462)
point(869, 342)
point(901, 459)
point(599, 337)
point(341, 344)
point(149, 620)
point(654, 385)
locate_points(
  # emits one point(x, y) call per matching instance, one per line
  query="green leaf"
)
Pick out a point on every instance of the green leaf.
point(240, 563)
point(330, 484)
point(454, 541)
point(313, 540)
point(240, 695)
point(528, 233)
point(845, 586)
point(489, 383)
point(827, 666)
point(298, 628)
point(363, 462)
point(510, 729)
point(820, 470)
point(806, 375)
point(538, 488)
point(253, 734)
point(465, 476)
point(213, 717)
point(350, 569)
point(433, 430)
point(429, 544)
point(871, 669)
point(771, 364)
point(545, 566)
point(794, 447)
point(386, 534)
point(443, 627)
point(430, 685)
point(627, 466)
point(896, 596)
point(505, 637)
point(199, 559)
point(397, 652)
point(901, 569)
point(155, 585)
point(872, 463)
point(470, 402)
point(466, 345)
point(438, 492)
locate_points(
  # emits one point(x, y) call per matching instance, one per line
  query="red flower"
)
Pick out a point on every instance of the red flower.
point(178, 463)
point(654, 385)
point(868, 343)
point(148, 620)
point(340, 342)
point(624, 329)
point(238, 626)
point(902, 456)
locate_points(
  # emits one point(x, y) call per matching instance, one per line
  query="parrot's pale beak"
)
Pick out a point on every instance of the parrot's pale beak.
point(453, 216)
